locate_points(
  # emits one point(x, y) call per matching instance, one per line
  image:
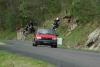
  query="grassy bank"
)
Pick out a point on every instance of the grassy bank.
point(7, 35)
point(79, 36)
point(12, 60)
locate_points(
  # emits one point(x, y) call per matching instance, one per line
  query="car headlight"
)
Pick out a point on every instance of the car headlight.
point(38, 37)
point(54, 38)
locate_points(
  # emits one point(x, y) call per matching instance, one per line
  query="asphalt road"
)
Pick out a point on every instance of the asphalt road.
point(57, 56)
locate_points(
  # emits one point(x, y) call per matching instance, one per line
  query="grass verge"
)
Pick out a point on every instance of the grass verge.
point(11, 60)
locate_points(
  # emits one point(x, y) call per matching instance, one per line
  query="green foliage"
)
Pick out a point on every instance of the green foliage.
point(14, 12)
point(19, 12)
point(85, 10)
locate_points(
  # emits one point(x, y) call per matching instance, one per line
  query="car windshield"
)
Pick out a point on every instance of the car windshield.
point(45, 31)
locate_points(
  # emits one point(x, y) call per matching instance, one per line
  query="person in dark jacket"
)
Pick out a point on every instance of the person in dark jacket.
point(56, 23)
point(31, 28)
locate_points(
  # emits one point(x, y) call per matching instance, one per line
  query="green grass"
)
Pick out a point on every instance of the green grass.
point(11, 60)
point(29, 37)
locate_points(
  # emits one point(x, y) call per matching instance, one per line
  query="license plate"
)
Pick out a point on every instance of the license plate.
point(45, 42)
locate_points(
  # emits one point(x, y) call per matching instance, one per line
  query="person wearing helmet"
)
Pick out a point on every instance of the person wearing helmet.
point(56, 23)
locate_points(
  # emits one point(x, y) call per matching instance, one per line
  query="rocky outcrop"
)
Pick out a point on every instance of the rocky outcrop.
point(93, 41)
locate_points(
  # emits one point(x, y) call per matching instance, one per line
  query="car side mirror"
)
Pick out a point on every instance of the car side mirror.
point(57, 35)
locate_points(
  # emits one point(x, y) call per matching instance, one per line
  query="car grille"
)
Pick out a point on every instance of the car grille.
point(47, 38)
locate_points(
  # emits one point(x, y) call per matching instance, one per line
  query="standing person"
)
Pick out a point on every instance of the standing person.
point(31, 28)
point(56, 23)
point(19, 31)
point(31, 23)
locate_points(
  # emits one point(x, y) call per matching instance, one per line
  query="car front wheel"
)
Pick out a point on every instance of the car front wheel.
point(34, 44)
point(53, 46)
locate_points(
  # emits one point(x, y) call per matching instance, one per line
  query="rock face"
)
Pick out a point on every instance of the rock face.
point(93, 41)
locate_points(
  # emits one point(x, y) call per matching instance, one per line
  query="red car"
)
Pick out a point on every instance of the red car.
point(45, 37)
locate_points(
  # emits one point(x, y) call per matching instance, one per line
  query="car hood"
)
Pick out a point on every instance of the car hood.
point(46, 35)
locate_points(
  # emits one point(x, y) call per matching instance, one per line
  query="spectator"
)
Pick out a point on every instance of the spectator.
point(56, 23)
